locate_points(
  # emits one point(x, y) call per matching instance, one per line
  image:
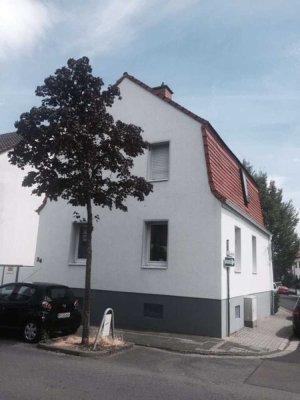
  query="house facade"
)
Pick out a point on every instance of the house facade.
point(160, 265)
point(18, 217)
point(296, 266)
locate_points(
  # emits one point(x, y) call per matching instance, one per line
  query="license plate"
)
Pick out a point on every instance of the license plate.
point(63, 315)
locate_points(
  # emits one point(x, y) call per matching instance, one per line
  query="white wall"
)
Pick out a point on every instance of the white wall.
point(296, 268)
point(18, 219)
point(185, 200)
point(245, 282)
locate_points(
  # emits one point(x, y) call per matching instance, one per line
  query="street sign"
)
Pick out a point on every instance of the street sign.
point(229, 262)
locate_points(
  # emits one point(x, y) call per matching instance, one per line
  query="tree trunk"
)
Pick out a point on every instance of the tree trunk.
point(87, 292)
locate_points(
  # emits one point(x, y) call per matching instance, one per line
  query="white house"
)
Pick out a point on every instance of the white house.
point(18, 217)
point(161, 264)
point(296, 266)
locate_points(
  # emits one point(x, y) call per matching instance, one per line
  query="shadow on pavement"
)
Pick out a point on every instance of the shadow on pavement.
point(285, 332)
point(8, 337)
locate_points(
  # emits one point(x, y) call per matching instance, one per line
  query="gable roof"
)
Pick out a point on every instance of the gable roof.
point(225, 180)
point(223, 167)
point(8, 141)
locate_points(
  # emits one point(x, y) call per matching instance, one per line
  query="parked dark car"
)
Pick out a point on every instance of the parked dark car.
point(296, 318)
point(35, 308)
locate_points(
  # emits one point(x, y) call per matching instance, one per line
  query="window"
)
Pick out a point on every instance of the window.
point(6, 291)
point(254, 255)
point(237, 312)
point(245, 187)
point(153, 310)
point(159, 162)
point(60, 293)
point(237, 250)
point(23, 293)
point(156, 244)
point(79, 244)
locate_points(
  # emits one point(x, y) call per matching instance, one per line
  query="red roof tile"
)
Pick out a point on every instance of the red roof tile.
point(8, 141)
point(224, 174)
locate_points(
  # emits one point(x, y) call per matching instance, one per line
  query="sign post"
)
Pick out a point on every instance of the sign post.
point(229, 262)
point(107, 325)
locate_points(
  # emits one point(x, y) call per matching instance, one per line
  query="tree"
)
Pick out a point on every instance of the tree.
point(78, 152)
point(281, 219)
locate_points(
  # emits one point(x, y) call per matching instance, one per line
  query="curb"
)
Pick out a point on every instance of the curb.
point(216, 353)
point(84, 353)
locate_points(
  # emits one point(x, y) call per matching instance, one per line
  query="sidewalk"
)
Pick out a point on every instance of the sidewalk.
point(270, 337)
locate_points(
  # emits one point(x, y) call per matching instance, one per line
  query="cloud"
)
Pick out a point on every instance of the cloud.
point(280, 181)
point(23, 23)
point(111, 24)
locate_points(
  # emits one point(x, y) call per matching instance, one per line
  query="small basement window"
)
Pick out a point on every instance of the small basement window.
point(153, 310)
point(237, 312)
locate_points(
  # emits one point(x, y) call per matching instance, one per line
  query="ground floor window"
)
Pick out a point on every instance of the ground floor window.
point(79, 244)
point(156, 244)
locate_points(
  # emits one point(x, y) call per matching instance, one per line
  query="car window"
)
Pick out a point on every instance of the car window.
point(60, 293)
point(6, 291)
point(23, 293)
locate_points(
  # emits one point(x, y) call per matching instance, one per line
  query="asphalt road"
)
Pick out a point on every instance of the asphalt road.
point(29, 373)
point(288, 301)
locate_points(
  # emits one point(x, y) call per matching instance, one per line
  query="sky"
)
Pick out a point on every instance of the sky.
point(235, 63)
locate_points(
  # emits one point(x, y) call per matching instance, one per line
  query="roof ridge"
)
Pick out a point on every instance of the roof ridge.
point(166, 100)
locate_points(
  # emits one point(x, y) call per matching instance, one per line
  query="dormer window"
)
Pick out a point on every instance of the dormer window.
point(245, 187)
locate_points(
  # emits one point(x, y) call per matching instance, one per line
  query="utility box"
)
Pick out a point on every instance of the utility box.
point(250, 311)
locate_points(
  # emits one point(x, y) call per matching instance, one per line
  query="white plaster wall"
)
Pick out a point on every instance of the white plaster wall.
point(185, 200)
point(246, 282)
point(296, 268)
point(18, 219)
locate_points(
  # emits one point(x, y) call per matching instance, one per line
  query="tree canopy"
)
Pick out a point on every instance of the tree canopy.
point(281, 219)
point(78, 152)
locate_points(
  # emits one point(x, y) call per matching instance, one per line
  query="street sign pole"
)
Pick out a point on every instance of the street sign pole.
point(229, 262)
point(228, 301)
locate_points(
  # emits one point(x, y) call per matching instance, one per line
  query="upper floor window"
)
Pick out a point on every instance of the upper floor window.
point(245, 187)
point(159, 162)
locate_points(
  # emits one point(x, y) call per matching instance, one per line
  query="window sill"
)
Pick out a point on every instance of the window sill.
point(237, 272)
point(158, 180)
point(77, 264)
point(155, 266)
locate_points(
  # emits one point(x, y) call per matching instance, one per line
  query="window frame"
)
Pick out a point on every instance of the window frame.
point(245, 188)
point(238, 252)
point(75, 260)
point(254, 254)
point(146, 262)
point(150, 155)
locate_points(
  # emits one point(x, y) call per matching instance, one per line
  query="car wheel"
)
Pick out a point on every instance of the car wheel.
point(32, 332)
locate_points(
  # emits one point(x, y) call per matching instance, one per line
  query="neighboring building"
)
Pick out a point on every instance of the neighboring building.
point(160, 265)
point(296, 266)
point(18, 219)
